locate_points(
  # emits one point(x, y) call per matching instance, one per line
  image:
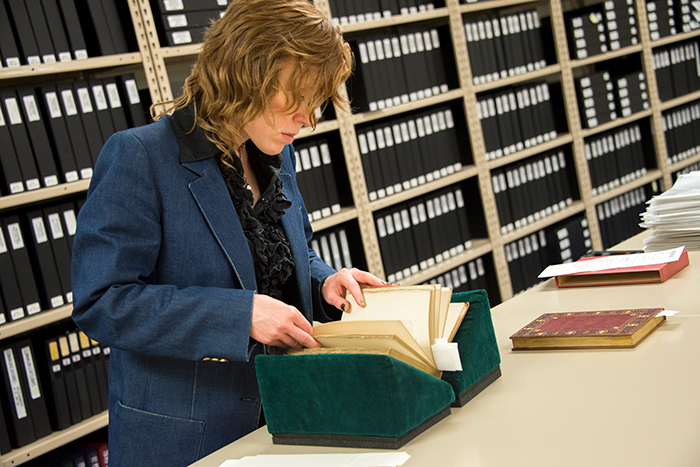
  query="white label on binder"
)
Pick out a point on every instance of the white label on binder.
point(55, 226)
point(177, 21)
point(113, 95)
point(20, 408)
point(69, 102)
point(98, 93)
point(132, 91)
point(13, 111)
point(173, 5)
point(85, 102)
point(39, 230)
point(34, 391)
point(54, 107)
point(181, 37)
point(69, 217)
point(15, 236)
point(31, 108)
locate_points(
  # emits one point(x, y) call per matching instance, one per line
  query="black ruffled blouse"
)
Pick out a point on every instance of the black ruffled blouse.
point(268, 244)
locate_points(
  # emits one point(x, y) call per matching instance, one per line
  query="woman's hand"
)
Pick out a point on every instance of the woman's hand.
point(276, 323)
point(335, 286)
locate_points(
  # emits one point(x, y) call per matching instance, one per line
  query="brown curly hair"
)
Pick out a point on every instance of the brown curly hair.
point(237, 71)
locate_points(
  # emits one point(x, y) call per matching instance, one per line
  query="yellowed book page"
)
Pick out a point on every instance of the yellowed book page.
point(455, 315)
point(371, 335)
point(445, 297)
point(412, 305)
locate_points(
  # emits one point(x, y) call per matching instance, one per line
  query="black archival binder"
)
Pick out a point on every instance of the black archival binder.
point(71, 21)
point(131, 99)
point(24, 33)
point(56, 30)
point(36, 400)
point(89, 118)
point(12, 174)
point(329, 177)
point(61, 249)
point(52, 374)
point(23, 269)
point(80, 376)
point(9, 288)
point(74, 403)
point(89, 365)
point(20, 139)
point(101, 369)
point(5, 445)
point(95, 27)
point(41, 146)
point(47, 52)
point(115, 104)
point(118, 28)
point(76, 131)
point(101, 106)
point(8, 46)
point(44, 264)
point(58, 134)
point(14, 399)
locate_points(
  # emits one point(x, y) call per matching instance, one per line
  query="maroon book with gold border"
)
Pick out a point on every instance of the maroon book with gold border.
point(588, 329)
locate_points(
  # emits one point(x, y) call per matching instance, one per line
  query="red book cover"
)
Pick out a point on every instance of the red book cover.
point(633, 275)
point(588, 329)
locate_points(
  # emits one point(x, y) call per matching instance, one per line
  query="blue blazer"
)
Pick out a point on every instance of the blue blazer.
point(163, 275)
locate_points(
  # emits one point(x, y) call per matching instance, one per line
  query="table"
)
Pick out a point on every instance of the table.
point(630, 407)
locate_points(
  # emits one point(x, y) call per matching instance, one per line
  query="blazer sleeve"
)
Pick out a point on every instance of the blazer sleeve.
point(120, 298)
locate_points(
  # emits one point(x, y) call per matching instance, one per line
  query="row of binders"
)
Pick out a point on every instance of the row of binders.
point(33, 32)
point(516, 118)
point(668, 17)
point(505, 45)
point(54, 380)
point(354, 11)
point(601, 28)
point(183, 22)
point(615, 157)
point(316, 179)
point(397, 68)
point(682, 131)
point(528, 256)
point(53, 133)
point(619, 217)
point(422, 232)
point(528, 191)
point(410, 150)
point(333, 247)
point(676, 69)
point(35, 252)
point(469, 276)
point(605, 95)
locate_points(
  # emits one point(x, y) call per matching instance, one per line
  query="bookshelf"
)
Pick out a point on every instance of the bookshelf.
point(159, 67)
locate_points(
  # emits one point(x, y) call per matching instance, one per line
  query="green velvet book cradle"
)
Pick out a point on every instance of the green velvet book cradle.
point(372, 401)
point(478, 349)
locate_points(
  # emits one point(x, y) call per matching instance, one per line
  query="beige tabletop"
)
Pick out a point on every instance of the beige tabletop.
point(623, 407)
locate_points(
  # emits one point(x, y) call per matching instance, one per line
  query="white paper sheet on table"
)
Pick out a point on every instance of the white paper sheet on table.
point(379, 459)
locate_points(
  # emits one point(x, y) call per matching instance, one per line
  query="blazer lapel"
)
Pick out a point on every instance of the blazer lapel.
point(214, 201)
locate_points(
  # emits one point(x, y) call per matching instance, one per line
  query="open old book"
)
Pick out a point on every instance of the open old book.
point(402, 322)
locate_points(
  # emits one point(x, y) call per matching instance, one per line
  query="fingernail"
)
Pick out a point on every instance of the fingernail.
point(362, 302)
point(342, 307)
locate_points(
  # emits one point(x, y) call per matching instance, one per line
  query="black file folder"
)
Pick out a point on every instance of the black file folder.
point(71, 22)
point(24, 32)
point(89, 366)
point(95, 27)
point(76, 130)
point(57, 396)
point(40, 26)
point(58, 134)
point(131, 99)
point(89, 118)
point(101, 106)
point(101, 368)
point(36, 401)
point(8, 45)
point(44, 264)
point(11, 172)
point(80, 376)
point(14, 399)
point(56, 30)
point(9, 288)
point(61, 249)
point(74, 402)
point(5, 445)
point(17, 245)
point(20, 139)
point(38, 137)
point(115, 104)
point(115, 12)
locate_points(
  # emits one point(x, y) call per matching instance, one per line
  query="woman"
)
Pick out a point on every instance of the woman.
point(191, 255)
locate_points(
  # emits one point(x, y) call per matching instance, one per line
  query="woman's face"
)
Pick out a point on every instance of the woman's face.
point(283, 127)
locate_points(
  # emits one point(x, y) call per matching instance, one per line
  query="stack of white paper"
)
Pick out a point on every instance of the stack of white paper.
point(674, 216)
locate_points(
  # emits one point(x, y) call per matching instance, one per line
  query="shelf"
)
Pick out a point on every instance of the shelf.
point(345, 214)
point(322, 127)
point(464, 174)
point(649, 177)
point(394, 21)
point(679, 101)
point(517, 79)
point(29, 323)
point(493, 4)
point(94, 63)
point(618, 122)
point(581, 62)
point(365, 117)
point(480, 247)
point(43, 194)
point(531, 151)
point(575, 208)
point(54, 440)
